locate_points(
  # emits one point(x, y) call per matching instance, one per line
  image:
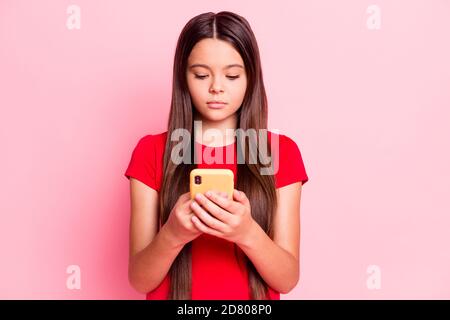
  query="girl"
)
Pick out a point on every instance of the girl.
point(211, 247)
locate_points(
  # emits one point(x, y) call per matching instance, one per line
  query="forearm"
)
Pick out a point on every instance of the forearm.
point(148, 267)
point(278, 267)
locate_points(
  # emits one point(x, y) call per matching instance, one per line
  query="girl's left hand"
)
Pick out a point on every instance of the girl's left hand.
point(230, 219)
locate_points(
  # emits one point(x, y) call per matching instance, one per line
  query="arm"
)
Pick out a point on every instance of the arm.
point(151, 253)
point(277, 261)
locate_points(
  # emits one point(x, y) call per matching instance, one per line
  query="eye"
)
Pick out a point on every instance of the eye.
point(232, 77)
point(198, 76)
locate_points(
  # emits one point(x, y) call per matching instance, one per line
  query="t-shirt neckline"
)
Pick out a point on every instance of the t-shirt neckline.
point(217, 147)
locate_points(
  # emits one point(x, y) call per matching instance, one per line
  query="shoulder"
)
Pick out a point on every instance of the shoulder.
point(160, 137)
point(150, 147)
point(289, 166)
point(286, 148)
point(285, 142)
point(155, 141)
point(146, 160)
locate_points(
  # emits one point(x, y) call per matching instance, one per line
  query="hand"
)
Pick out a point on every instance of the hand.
point(179, 224)
point(230, 219)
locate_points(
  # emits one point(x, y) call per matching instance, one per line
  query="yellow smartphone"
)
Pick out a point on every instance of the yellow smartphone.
point(202, 180)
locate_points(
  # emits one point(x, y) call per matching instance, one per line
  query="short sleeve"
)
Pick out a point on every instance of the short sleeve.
point(142, 165)
point(291, 167)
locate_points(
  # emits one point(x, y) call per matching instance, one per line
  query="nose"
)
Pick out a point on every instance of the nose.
point(216, 87)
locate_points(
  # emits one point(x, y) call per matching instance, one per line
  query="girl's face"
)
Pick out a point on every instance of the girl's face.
point(216, 72)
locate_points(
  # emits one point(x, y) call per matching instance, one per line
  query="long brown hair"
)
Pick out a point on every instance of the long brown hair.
point(252, 114)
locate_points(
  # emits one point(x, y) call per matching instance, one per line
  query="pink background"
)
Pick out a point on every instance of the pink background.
point(369, 110)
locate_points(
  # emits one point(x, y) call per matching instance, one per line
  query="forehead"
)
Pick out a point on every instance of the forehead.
point(214, 53)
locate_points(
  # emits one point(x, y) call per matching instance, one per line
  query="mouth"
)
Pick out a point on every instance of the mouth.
point(216, 104)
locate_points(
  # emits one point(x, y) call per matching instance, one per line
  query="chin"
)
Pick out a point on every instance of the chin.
point(216, 117)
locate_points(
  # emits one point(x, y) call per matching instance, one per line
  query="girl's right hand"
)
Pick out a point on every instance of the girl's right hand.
point(179, 223)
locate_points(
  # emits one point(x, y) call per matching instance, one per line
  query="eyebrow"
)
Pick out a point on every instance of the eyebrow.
point(207, 67)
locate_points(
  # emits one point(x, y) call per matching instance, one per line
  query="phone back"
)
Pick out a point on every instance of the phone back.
point(202, 180)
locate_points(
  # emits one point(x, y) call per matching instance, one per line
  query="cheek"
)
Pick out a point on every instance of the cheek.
point(196, 90)
point(238, 91)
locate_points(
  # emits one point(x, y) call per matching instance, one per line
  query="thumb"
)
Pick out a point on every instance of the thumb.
point(237, 195)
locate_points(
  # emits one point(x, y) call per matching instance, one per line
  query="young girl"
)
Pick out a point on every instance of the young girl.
point(212, 247)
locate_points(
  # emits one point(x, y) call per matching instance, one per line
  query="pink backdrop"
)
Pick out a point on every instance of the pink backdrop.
point(368, 107)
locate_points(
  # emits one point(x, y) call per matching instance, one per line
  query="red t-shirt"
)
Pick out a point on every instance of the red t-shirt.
point(216, 273)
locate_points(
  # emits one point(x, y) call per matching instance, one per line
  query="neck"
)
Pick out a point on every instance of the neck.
point(223, 133)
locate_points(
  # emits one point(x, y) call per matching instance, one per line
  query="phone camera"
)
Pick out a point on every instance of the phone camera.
point(198, 179)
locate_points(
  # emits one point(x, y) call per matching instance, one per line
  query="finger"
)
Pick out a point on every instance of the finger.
point(183, 198)
point(207, 218)
point(240, 196)
point(186, 196)
point(203, 228)
point(217, 205)
point(227, 204)
point(223, 194)
point(186, 206)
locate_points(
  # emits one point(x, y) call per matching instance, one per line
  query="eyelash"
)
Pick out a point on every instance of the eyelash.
point(229, 77)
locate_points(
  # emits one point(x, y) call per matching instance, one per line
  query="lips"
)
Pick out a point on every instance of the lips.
point(216, 104)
